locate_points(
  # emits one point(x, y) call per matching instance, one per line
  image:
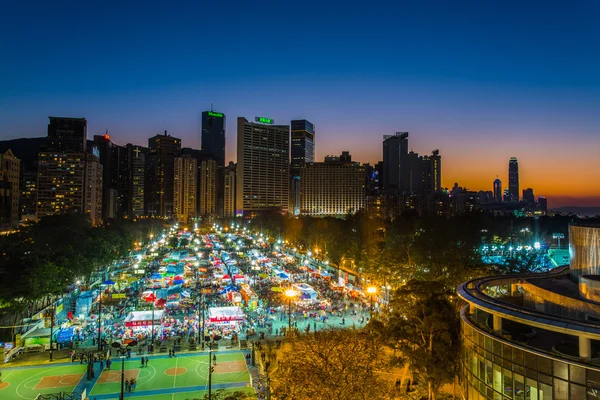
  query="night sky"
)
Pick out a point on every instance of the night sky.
point(481, 80)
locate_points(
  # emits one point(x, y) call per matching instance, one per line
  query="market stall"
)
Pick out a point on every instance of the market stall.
point(143, 318)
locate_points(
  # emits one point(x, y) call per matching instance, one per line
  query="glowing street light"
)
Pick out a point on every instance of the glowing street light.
point(290, 294)
point(371, 290)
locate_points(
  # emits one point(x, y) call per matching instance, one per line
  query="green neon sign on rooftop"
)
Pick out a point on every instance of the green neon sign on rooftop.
point(215, 114)
point(264, 120)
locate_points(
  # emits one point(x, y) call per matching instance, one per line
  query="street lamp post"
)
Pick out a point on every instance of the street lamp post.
point(371, 290)
point(152, 337)
point(290, 293)
point(100, 321)
point(211, 369)
point(51, 328)
point(122, 351)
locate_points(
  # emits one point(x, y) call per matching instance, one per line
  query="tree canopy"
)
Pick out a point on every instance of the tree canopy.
point(332, 365)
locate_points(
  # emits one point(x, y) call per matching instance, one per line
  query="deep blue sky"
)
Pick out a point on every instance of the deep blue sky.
point(480, 80)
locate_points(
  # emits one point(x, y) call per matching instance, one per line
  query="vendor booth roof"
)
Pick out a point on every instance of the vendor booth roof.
point(223, 314)
point(228, 289)
point(143, 318)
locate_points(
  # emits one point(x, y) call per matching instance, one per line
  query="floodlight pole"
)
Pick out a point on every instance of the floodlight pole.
point(100, 321)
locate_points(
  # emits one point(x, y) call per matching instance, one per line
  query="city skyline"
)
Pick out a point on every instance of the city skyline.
point(479, 82)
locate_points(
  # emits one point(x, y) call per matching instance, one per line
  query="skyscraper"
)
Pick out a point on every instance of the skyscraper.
point(498, 190)
point(396, 174)
point(213, 136)
point(415, 168)
point(543, 203)
point(136, 174)
point(432, 172)
point(67, 135)
point(208, 188)
point(302, 152)
point(185, 179)
point(335, 187)
point(109, 158)
point(303, 144)
point(68, 177)
point(513, 179)
point(263, 166)
point(93, 188)
point(10, 167)
point(529, 198)
point(229, 190)
point(160, 175)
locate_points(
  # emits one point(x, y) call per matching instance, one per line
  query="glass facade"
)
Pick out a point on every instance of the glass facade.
point(496, 369)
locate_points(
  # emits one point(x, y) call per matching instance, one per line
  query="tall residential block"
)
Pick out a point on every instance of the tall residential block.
point(93, 188)
point(213, 135)
point(10, 167)
point(396, 174)
point(162, 150)
point(229, 190)
point(263, 166)
point(208, 188)
point(335, 187)
point(109, 155)
point(432, 172)
point(67, 178)
point(513, 179)
point(184, 188)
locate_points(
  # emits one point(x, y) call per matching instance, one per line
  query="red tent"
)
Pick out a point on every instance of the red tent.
point(150, 297)
point(238, 276)
point(225, 277)
point(160, 303)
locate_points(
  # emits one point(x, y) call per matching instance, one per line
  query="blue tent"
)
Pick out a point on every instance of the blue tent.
point(283, 275)
point(228, 289)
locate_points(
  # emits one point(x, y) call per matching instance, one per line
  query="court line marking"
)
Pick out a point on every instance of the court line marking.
point(151, 376)
point(27, 380)
point(175, 376)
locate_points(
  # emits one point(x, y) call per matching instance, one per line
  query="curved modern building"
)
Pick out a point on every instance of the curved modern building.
point(536, 336)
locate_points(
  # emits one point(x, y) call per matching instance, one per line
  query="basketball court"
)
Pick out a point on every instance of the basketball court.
point(185, 376)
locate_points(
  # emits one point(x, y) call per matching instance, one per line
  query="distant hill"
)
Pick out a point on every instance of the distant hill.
point(25, 149)
point(587, 211)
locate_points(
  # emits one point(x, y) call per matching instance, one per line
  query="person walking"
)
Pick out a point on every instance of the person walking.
point(146, 361)
point(142, 361)
point(214, 359)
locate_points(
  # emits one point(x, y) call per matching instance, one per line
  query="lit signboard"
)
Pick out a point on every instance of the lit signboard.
point(558, 236)
point(215, 114)
point(95, 151)
point(264, 120)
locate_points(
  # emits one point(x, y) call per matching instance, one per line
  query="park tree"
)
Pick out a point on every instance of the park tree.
point(422, 327)
point(173, 242)
point(331, 365)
